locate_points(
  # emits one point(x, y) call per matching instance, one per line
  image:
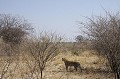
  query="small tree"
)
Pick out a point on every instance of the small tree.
point(104, 33)
point(44, 49)
point(79, 38)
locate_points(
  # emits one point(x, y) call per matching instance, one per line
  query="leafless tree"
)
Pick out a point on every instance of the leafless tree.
point(44, 48)
point(6, 60)
point(104, 33)
point(12, 30)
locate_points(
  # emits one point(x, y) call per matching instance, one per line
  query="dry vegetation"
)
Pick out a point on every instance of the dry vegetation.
point(40, 57)
point(94, 67)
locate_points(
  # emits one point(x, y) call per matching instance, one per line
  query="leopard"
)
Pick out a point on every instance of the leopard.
point(71, 63)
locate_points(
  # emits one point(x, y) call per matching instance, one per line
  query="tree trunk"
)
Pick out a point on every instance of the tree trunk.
point(41, 74)
point(117, 76)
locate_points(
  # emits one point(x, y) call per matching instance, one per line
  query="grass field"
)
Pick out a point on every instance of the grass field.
point(93, 67)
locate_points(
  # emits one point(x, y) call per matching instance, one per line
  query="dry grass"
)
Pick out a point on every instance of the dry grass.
point(94, 67)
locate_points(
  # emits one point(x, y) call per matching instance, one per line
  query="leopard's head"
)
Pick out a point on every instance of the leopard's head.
point(63, 59)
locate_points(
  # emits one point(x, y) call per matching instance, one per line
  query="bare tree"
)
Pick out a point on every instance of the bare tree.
point(104, 33)
point(12, 30)
point(7, 58)
point(44, 48)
